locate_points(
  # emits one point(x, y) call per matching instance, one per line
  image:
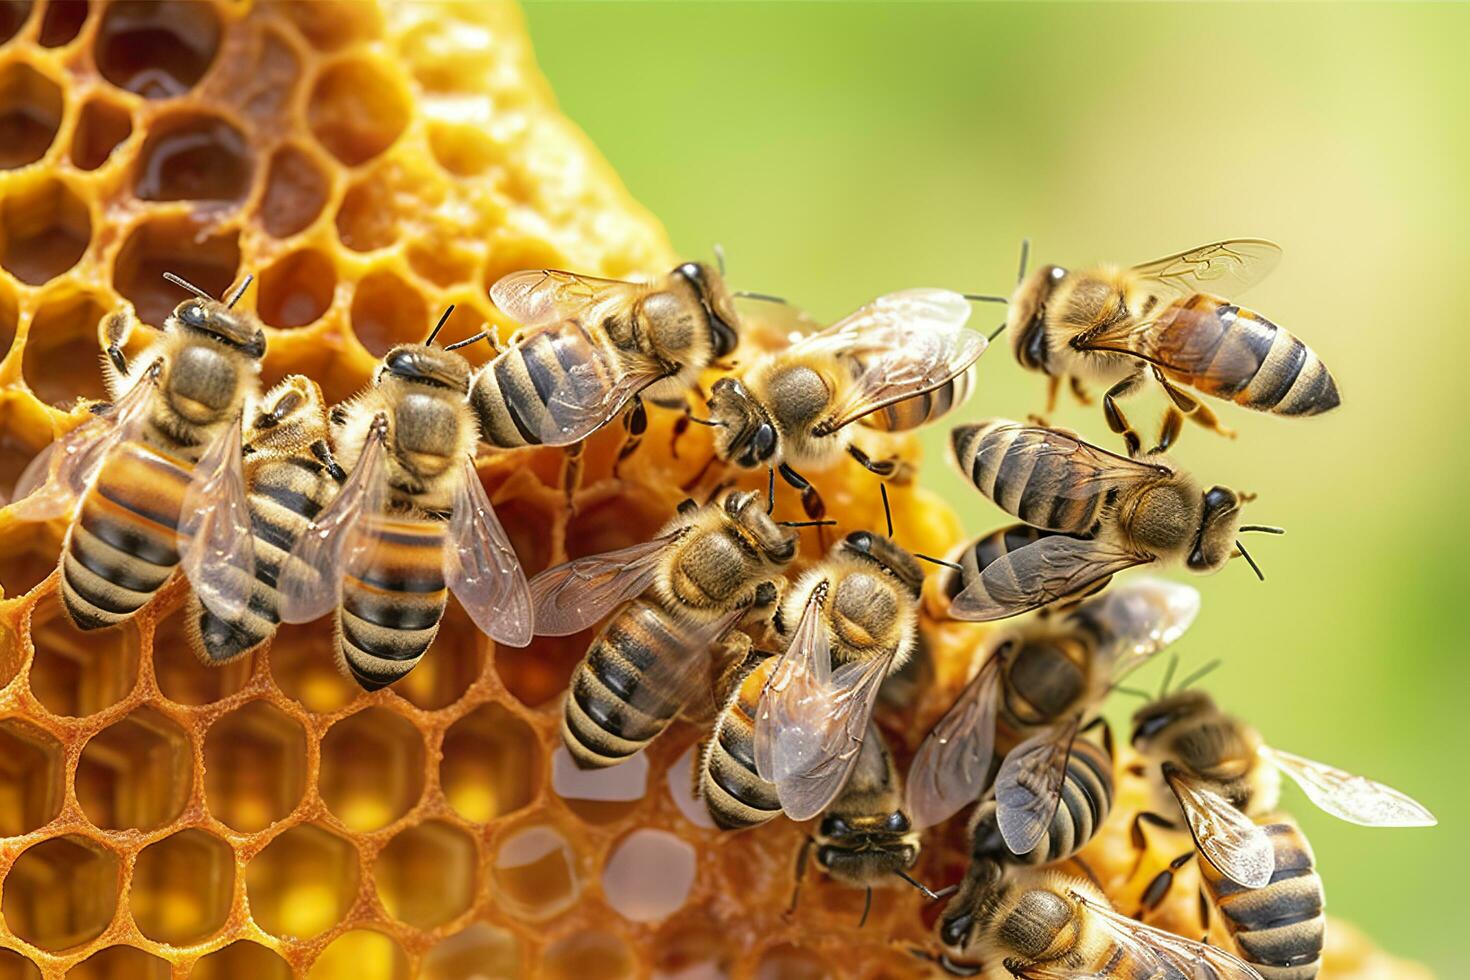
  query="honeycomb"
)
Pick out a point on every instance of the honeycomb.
point(159, 818)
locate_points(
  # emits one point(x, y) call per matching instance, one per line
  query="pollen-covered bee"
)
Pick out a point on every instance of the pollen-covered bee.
point(1114, 326)
point(852, 620)
point(290, 476)
point(1044, 925)
point(900, 362)
point(705, 572)
point(156, 473)
point(411, 519)
point(1045, 682)
point(1091, 514)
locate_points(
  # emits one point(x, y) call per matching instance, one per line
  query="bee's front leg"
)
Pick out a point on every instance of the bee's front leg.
point(117, 328)
point(635, 421)
point(1117, 421)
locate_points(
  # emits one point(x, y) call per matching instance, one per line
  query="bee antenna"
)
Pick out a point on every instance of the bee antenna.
point(867, 907)
point(1133, 692)
point(1025, 254)
point(939, 561)
point(887, 512)
point(1169, 674)
point(763, 297)
point(1264, 528)
point(1198, 675)
point(186, 284)
point(467, 341)
point(996, 332)
point(709, 422)
point(1250, 561)
point(981, 298)
point(719, 251)
point(440, 325)
point(806, 523)
point(239, 291)
point(917, 884)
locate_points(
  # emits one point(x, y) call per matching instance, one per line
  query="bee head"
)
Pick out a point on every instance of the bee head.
point(218, 319)
point(719, 305)
point(745, 435)
point(420, 364)
point(1027, 314)
point(977, 890)
point(886, 554)
point(1155, 718)
point(862, 849)
point(1218, 526)
point(745, 507)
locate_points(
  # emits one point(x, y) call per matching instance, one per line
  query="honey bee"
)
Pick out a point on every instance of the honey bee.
point(1091, 513)
point(411, 519)
point(1045, 682)
point(707, 570)
point(156, 473)
point(1044, 925)
point(855, 616)
point(734, 793)
point(901, 361)
point(1111, 325)
point(290, 476)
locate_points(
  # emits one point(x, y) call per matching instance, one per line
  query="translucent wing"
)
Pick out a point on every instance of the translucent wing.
point(674, 682)
point(573, 596)
point(1051, 568)
point(310, 582)
point(801, 677)
point(216, 541)
point(1355, 799)
point(1028, 787)
point(481, 567)
point(537, 297)
point(1227, 838)
point(63, 471)
point(1228, 268)
point(1138, 619)
point(1195, 961)
point(951, 766)
point(900, 345)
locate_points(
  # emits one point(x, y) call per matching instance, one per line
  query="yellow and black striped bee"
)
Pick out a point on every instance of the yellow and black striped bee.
point(901, 361)
point(1091, 514)
point(734, 793)
point(411, 520)
point(705, 572)
point(290, 476)
point(156, 473)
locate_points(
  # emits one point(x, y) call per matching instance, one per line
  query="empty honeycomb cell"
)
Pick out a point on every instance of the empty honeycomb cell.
point(182, 886)
point(295, 192)
point(600, 795)
point(192, 156)
point(31, 778)
point(481, 952)
point(303, 665)
point(357, 109)
point(101, 128)
point(14, 966)
point(60, 362)
point(76, 673)
point(27, 557)
point(461, 149)
point(366, 220)
point(239, 961)
point(444, 262)
point(270, 80)
point(120, 963)
point(489, 764)
point(329, 25)
point(533, 874)
point(181, 677)
point(296, 289)
point(61, 893)
point(648, 875)
point(361, 954)
point(13, 14)
point(177, 244)
point(157, 49)
point(588, 953)
point(44, 230)
point(426, 874)
point(372, 768)
point(30, 113)
point(538, 673)
point(62, 22)
point(693, 946)
point(254, 766)
point(9, 320)
point(136, 773)
point(790, 962)
point(387, 311)
point(12, 656)
point(303, 882)
point(680, 779)
point(454, 661)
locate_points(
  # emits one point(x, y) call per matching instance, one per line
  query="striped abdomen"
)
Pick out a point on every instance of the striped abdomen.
point(1278, 929)
point(733, 792)
point(123, 545)
point(1086, 800)
point(392, 598)
point(285, 494)
point(1237, 354)
point(611, 711)
point(530, 393)
point(922, 409)
point(1028, 472)
point(984, 551)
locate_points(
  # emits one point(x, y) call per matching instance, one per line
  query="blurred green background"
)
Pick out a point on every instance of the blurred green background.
point(839, 151)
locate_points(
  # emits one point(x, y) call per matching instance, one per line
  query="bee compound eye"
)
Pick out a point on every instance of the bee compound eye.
point(898, 822)
point(834, 826)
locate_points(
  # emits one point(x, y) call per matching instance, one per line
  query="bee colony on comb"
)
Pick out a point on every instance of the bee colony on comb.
point(269, 816)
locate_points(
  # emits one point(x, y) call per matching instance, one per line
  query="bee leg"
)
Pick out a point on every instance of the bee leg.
point(323, 453)
point(635, 420)
point(893, 468)
point(1157, 889)
point(1053, 385)
point(571, 472)
point(1199, 413)
point(1116, 419)
point(1140, 842)
point(801, 858)
point(681, 426)
point(1079, 392)
point(117, 327)
point(1204, 910)
point(811, 501)
point(1169, 430)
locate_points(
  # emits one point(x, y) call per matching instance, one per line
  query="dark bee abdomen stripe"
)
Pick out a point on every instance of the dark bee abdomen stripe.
point(734, 794)
point(383, 629)
point(510, 395)
point(1086, 801)
point(1279, 929)
point(1015, 466)
point(1238, 354)
point(924, 408)
point(122, 547)
point(601, 724)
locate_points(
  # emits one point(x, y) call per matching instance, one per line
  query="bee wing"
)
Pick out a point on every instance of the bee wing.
point(800, 677)
point(63, 471)
point(1028, 788)
point(572, 596)
point(310, 580)
point(481, 567)
point(1051, 568)
point(537, 297)
point(951, 766)
point(678, 680)
point(1355, 799)
point(901, 345)
point(216, 540)
point(1227, 838)
point(1196, 961)
point(1140, 618)
point(1228, 268)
